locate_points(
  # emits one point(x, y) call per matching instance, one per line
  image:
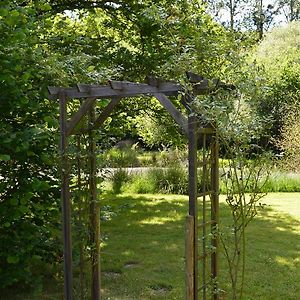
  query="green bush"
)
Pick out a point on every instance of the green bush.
point(29, 193)
point(278, 59)
point(172, 180)
point(118, 179)
point(119, 158)
point(141, 184)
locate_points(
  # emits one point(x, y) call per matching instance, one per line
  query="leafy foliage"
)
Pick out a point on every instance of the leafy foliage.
point(290, 140)
point(278, 59)
point(29, 206)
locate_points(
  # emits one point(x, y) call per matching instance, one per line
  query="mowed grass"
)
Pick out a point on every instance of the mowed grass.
point(143, 248)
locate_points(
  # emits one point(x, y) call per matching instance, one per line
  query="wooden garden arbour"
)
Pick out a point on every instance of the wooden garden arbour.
point(196, 283)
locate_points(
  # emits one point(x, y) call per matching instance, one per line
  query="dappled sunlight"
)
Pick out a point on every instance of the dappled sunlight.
point(281, 229)
point(160, 220)
point(285, 221)
point(171, 247)
point(127, 252)
point(291, 263)
point(286, 203)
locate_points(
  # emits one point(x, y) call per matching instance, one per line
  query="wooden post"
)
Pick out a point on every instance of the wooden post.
point(215, 212)
point(66, 203)
point(94, 212)
point(189, 257)
point(192, 137)
point(80, 214)
point(204, 183)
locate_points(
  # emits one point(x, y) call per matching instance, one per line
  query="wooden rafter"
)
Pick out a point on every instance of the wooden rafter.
point(115, 88)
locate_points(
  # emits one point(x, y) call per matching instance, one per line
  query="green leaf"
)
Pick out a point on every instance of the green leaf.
point(3, 12)
point(4, 157)
point(6, 224)
point(14, 13)
point(51, 121)
point(30, 153)
point(26, 76)
point(46, 6)
point(23, 209)
point(14, 201)
point(13, 259)
point(91, 68)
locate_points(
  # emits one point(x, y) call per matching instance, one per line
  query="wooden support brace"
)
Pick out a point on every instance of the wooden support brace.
point(94, 214)
point(76, 118)
point(215, 213)
point(193, 209)
point(106, 112)
point(173, 111)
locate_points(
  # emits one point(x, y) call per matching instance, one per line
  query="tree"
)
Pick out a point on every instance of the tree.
point(230, 12)
point(30, 205)
point(289, 142)
point(276, 58)
point(290, 9)
point(245, 15)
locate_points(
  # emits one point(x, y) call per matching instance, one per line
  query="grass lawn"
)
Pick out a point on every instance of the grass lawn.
point(143, 251)
point(143, 248)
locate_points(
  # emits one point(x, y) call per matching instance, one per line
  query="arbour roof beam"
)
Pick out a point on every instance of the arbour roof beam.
point(114, 89)
point(127, 89)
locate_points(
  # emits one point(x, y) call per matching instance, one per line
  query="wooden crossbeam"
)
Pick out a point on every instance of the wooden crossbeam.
point(121, 89)
point(115, 88)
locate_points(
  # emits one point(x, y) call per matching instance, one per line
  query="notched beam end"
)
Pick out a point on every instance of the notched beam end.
point(83, 88)
point(153, 81)
point(53, 92)
point(116, 85)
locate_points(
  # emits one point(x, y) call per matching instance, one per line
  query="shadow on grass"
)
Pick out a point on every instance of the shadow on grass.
point(273, 257)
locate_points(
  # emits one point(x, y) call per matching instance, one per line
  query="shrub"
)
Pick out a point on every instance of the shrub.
point(172, 180)
point(142, 184)
point(117, 158)
point(282, 182)
point(118, 179)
